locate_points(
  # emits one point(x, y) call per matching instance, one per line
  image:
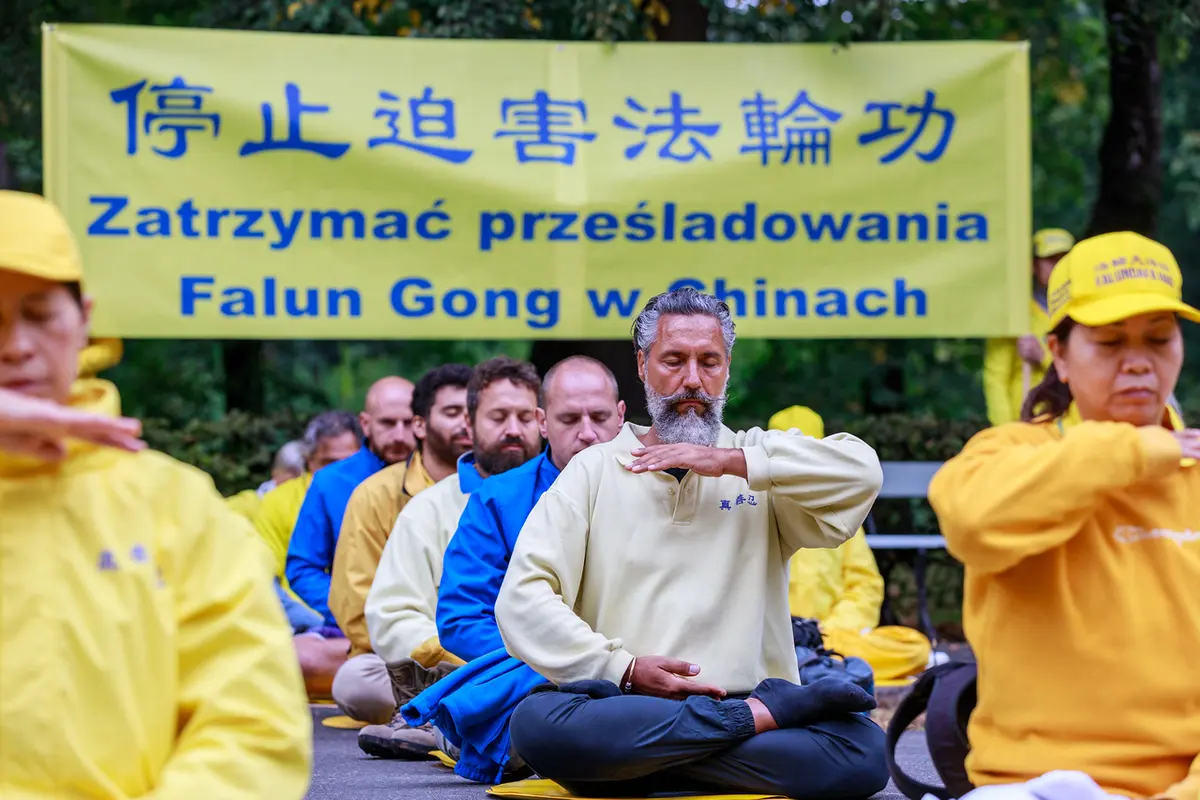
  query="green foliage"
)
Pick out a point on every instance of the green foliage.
point(236, 450)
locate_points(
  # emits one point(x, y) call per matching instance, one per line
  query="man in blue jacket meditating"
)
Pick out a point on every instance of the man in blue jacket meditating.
point(579, 407)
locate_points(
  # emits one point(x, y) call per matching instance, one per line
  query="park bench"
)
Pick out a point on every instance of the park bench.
point(908, 480)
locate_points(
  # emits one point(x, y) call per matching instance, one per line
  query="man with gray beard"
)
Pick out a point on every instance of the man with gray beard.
point(662, 556)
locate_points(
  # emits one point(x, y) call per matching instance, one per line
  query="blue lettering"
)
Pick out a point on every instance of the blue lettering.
point(249, 218)
point(451, 307)
point(154, 221)
point(612, 299)
point(100, 225)
point(740, 227)
point(860, 303)
point(601, 227)
point(215, 215)
point(338, 221)
point(832, 303)
point(542, 307)
point(190, 291)
point(487, 228)
point(771, 227)
point(424, 302)
point(562, 229)
point(826, 222)
point(903, 294)
point(334, 297)
point(237, 301)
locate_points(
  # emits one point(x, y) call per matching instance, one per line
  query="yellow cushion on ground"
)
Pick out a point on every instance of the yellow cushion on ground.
point(446, 760)
point(343, 722)
point(542, 789)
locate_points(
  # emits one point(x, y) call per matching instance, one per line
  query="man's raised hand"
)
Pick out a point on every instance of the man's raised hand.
point(712, 462)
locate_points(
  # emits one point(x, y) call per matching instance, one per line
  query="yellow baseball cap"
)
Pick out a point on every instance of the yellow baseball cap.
point(803, 418)
point(35, 239)
point(1052, 242)
point(1114, 276)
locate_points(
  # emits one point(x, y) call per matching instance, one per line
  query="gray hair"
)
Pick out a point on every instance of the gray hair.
point(328, 424)
point(291, 457)
point(684, 302)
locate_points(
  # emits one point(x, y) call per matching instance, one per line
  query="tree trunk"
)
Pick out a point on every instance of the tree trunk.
point(1130, 169)
point(688, 22)
point(243, 362)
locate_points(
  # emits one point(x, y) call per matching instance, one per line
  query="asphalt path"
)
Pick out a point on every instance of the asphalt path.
point(343, 772)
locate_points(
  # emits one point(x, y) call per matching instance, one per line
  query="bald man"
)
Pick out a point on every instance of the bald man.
point(388, 439)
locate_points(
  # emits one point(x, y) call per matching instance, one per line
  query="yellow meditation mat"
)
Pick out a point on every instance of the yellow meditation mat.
point(542, 789)
point(446, 760)
point(343, 722)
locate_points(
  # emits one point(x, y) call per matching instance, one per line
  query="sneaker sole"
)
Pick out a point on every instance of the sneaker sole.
point(393, 749)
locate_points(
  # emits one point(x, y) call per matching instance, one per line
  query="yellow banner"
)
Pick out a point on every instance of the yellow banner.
point(254, 185)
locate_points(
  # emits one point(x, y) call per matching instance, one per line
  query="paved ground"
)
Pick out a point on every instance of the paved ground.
point(343, 772)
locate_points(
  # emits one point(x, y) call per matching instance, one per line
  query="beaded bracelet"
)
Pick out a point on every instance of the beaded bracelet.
point(628, 686)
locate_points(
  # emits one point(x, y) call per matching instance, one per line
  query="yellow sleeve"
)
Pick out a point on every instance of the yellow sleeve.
point(535, 606)
point(821, 490)
point(862, 595)
point(998, 358)
point(272, 526)
point(401, 605)
point(370, 516)
point(1186, 789)
point(1012, 493)
point(244, 726)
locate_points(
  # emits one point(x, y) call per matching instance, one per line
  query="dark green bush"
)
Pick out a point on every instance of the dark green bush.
point(236, 450)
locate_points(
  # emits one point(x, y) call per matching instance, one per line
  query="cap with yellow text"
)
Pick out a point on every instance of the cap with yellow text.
point(1115, 276)
point(1052, 242)
point(802, 418)
point(35, 239)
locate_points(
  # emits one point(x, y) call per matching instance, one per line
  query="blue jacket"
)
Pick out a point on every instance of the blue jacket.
point(472, 706)
point(314, 539)
point(477, 556)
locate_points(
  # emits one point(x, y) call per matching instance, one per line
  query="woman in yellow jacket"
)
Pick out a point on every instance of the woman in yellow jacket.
point(1011, 367)
point(144, 652)
point(1082, 596)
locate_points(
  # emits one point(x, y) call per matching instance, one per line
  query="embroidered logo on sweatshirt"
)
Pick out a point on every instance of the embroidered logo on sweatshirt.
point(741, 499)
point(1131, 534)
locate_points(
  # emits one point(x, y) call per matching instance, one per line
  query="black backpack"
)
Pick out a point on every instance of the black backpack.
point(946, 693)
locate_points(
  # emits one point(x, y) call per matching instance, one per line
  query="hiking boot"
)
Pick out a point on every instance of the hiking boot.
point(409, 678)
point(397, 740)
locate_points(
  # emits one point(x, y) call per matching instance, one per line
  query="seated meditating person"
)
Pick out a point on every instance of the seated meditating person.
point(401, 605)
point(578, 407)
point(1077, 528)
point(649, 588)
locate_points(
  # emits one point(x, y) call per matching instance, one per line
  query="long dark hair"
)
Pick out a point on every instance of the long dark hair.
point(1051, 396)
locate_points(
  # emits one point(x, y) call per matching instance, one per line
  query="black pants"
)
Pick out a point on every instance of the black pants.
point(593, 741)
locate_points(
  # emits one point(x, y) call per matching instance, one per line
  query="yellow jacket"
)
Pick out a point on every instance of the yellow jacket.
point(1080, 603)
point(245, 503)
point(1004, 384)
point(145, 653)
point(276, 518)
point(370, 516)
point(840, 587)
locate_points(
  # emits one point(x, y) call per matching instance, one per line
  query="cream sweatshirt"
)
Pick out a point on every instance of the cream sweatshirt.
point(612, 564)
point(401, 607)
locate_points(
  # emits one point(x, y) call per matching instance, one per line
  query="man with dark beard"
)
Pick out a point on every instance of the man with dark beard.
point(662, 556)
point(401, 607)
point(362, 688)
